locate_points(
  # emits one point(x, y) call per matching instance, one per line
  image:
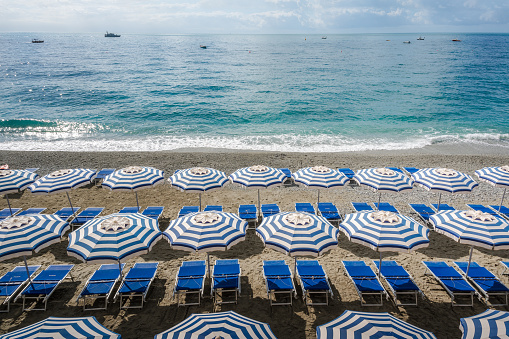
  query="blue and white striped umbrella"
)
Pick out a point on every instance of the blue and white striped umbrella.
point(71, 328)
point(114, 238)
point(320, 177)
point(12, 181)
point(23, 235)
point(227, 325)
point(383, 179)
point(385, 231)
point(198, 179)
point(495, 176)
point(489, 324)
point(133, 178)
point(352, 324)
point(298, 234)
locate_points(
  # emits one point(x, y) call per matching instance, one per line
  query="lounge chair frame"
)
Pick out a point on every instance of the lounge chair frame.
point(95, 297)
point(245, 212)
point(87, 214)
point(357, 207)
point(199, 292)
point(131, 295)
point(395, 293)
point(307, 293)
point(217, 293)
point(21, 286)
point(424, 211)
point(324, 208)
point(361, 294)
point(305, 207)
point(273, 293)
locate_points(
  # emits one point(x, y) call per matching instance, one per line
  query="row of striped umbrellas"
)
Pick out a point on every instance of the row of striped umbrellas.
point(350, 324)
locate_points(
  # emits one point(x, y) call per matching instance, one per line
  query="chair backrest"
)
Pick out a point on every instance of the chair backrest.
point(482, 208)
point(361, 206)
point(153, 211)
point(226, 261)
point(66, 212)
point(32, 210)
point(142, 271)
point(347, 171)
point(216, 208)
point(385, 206)
point(444, 207)
point(130, 209)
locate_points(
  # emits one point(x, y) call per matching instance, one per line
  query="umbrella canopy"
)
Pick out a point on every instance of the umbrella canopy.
point(114, 238)
point(385, 231)
point(353, 324)
point(72, 328)
point(298, 234)
point(198, 179)
point(320, 177)
point(133, 178)
point(23, 235)
point(489, 324)
point(495, 176)
point(12, 181)
point(218, 325)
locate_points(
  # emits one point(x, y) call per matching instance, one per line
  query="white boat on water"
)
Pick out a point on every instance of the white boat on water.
point(406, 42)
point(420, 38)
point(111, 35)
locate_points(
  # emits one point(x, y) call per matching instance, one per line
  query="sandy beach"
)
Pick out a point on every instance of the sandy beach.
point(434, 312)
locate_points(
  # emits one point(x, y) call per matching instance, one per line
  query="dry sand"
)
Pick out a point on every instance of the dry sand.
point(434, 312)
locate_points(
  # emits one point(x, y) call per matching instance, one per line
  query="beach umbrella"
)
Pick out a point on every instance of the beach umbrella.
point(23, 235)
point(474, 228)
point(320, 177)
point(218, 325)
point(385, 231)
point(114, 238)
point(71, 328)
point(495, 176)
point(444, 180)
point(62, 181)
point(206, 232)
point(489, 324)
point(383, 179)
point(257, 177)
point(133, 178)
point(198, 179)
point(12, 181)
point(352, 324)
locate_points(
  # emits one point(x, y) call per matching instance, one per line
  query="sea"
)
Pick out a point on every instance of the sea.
point(291, 93)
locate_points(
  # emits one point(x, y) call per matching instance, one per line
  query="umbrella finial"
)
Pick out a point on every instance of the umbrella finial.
point(505, 168)
point(479, 216)
point(385, 217)
point(5, 172)
point(116, 224)
point(446, 172)
point(206, 218)
point(259, 168)
point(320, 169)
point(298, 219)
point(59, 173)
point(132, 170)
point(385, 171)
point(199, 171)
point(16, 222)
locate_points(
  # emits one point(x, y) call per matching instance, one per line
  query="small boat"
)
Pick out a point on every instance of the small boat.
point(203, 46)
point(456, 40)
point(420, 38)
point(406, 42)
point(37, 41)
point(111, 35)
point(324, 37)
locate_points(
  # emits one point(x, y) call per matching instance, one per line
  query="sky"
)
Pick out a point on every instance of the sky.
point(254, 16)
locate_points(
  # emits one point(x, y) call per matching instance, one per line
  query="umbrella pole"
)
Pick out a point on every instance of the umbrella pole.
point(208, 262)
point(137, 204)
point(469, 259)
point(70, 203)
point(499, 207)
point(379, 198)
point(439, 198)
point(200, 201)
point(380, 265)
point(8, 203)
point(259, 210)
point(318, 198)
point(295, 267)
point(120, 269)
point(28, 272)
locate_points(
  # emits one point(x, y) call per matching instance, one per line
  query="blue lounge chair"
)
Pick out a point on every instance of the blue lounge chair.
point(67, 213)
point(423, 210)
point(313, 280)
point(329, 211)
point(453, 282)
point(347, 171)
point(279, 282)
point(365, 281)
point(13, 281)
point(103, 174)
point(288, 176)
point(361, 206)
point(396, 169)
point(225, 279)
point(386, 206)
point(482, 208)
point(136, 283)
point(269, 209)
point(44, 284)
point(100, 285)
point(129, 209)
point(304, 207)
point(87, 214)
point(248, 213)
point(400, 282)
point(213, 208)
point(443, 207)
point(6, 212)
point(506, 267)
point(410, 170)
point(153, 212)
point(486, 282)
point(190, 280)
point(504, 211)
point(188, 209)
point(32, 210)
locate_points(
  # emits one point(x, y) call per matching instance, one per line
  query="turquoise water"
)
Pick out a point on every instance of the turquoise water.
point(84, 92)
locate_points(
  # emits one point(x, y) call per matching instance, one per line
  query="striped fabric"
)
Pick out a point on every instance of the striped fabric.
point(20, 235)
point(474, 228)
point(198, 179)
point(62, 181)
point(113, 238)
point(444, 180)
point(385, 231)
point(366, 325)
point(53, 327)
point(320, 177)
point(496, 176)
point(206, 231)
point(227, 325)
point(298, 234)
point(489, 324)
point(12, 181)
point(257, 177)
point(133, 178)
point(383, 179)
